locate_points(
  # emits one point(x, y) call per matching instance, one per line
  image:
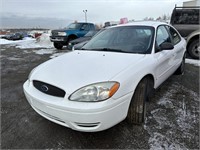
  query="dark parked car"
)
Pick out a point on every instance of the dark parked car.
point(15, 36)
point(83, 39)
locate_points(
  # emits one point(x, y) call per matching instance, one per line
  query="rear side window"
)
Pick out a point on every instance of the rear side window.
point(186, 16)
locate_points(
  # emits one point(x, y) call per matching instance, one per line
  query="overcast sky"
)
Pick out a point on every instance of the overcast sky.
point(59, 13)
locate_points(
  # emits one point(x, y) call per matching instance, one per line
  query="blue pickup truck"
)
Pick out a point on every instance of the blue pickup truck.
point(62, 37)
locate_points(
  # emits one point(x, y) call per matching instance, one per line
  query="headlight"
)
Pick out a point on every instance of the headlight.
point(62, 33)
point(95, 92)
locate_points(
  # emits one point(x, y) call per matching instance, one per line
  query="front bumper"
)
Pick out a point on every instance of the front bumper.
point(59, 39)
point(81, 116)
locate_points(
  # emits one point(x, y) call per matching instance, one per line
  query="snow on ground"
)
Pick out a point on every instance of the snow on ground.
point(2, 49)
point(45, 51)
point(10, 42)
point(193, 62)
point(42, 42)
point(14, 58)
point(163, 135)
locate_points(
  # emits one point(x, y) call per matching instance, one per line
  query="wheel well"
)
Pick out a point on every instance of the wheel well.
point(72, 36)
point(149, 76)
point(196, 37)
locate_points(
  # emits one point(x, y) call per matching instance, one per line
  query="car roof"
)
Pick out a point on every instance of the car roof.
point(143, 23)
point(83, 22)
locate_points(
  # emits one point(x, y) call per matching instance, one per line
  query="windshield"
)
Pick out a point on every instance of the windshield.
point(129, 39)
point(74, 26)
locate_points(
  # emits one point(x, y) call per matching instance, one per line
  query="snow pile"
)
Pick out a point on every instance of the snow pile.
point(193, 62)
point(42, 42)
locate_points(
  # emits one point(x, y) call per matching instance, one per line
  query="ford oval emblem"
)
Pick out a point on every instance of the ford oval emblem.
point(44, 88)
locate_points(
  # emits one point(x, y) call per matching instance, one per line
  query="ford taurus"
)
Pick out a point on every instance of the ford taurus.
point(109, 79)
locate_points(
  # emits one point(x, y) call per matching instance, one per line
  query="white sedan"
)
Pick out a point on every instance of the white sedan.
point(109, 79)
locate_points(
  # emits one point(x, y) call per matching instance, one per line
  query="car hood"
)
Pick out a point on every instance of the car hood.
point(76, 69)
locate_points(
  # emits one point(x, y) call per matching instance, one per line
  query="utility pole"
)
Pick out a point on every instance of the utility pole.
point(85, 11)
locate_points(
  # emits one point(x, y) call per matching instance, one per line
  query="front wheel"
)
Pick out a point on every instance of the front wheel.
point(194, 49)
point(58, 45)
point(137, 108)
point(181, 68)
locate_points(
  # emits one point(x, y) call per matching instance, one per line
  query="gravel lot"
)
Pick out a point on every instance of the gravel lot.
point(172, 114)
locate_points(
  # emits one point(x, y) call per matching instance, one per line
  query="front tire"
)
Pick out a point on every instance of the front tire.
point(58, 45)
point(181, 68)
point(137, 108)
point(194, 49)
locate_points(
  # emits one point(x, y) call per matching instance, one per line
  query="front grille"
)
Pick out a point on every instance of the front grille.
point(54, 33)
point(48, 89)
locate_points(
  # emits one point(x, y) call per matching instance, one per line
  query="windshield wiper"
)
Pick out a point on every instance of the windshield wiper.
point(84, 49)
point(111, 50)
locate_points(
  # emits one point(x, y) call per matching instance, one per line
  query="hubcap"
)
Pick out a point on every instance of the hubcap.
point(196, 50)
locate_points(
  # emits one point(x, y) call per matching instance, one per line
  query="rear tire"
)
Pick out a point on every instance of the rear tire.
point(58, 45)
point(137, 108)
point(194, 49)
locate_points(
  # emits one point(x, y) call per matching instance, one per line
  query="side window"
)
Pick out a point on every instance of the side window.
point(85, 27)
point(162, 36)
point(92, 27)
point(175, 36)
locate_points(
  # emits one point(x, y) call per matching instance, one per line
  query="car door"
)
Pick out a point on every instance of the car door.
point(165, 58)
point(179, 45)
point(84, 29)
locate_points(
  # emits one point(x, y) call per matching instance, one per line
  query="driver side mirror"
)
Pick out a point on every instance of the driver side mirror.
point(166, 46)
